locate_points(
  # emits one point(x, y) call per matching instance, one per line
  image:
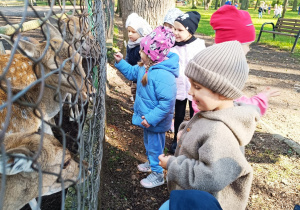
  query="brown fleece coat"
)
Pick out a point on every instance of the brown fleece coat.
point(209, 158)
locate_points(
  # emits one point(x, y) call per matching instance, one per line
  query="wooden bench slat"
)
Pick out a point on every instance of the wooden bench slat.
point(297, 28)
point(288, 31)
point(289, 24)
point(278, 33)
point(284, 19)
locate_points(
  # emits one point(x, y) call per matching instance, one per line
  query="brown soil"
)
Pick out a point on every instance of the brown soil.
point(276, 165)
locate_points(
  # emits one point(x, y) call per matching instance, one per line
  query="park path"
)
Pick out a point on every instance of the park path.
point(280, 70)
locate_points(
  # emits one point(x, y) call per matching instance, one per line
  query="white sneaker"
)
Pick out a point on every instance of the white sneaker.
point(153, 180)
point(144, 167)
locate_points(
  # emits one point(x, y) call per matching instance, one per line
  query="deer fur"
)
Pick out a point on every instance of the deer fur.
point(21, 172)
point(77, 32)
point(48, 98)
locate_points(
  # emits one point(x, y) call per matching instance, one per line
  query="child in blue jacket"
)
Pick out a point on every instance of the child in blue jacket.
point(155, 97)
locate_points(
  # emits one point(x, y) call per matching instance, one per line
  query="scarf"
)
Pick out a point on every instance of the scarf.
point(132, 44)
point(193, 38)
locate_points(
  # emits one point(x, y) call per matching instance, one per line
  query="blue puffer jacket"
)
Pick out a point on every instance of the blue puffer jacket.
point(156, 100)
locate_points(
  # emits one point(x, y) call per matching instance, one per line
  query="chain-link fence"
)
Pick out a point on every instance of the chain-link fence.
point(52, 109)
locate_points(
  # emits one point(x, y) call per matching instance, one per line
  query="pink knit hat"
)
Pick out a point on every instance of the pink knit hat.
point(232, 24)
point(157, 44)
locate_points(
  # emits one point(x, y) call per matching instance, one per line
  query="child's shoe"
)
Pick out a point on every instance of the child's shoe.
point(153, 180)
point(144, 167)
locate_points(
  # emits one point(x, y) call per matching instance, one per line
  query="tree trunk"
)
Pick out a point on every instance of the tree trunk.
point(217, 2)
point(109, 7)
point(257, 1)
point(119, 2)
point(284, 8)
point(118, 11)
point(207, 4)
point(193, 5)
point(295, 5)
point(245, 4)
point(153, 11)
point(222, 2)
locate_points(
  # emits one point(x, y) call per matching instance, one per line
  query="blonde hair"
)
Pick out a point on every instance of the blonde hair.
point(145, 77)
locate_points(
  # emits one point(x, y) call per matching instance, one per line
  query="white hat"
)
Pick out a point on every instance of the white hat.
point(171, 15)
point(139, 24)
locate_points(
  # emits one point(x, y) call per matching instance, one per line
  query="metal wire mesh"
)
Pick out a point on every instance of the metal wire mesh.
point(52, 89)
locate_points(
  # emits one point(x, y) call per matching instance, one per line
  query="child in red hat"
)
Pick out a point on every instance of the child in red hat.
point(243, 31)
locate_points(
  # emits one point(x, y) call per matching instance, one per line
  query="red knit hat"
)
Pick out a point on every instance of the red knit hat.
point(232, 24)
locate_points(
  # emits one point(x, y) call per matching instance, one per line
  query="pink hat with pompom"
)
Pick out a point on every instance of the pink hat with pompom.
point(157, 44)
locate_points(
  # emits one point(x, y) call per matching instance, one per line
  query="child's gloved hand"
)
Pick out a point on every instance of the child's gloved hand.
point(145, 123)
point(118, 56)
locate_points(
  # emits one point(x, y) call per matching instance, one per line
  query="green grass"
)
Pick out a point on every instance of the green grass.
point(280, 42)
point(45, 3)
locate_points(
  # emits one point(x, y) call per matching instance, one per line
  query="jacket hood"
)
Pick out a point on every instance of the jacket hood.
point(241, 120)
point(171, 64)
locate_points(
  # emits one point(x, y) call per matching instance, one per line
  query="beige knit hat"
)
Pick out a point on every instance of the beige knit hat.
point(221, 68)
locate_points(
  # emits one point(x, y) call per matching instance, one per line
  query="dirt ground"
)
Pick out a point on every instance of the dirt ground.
point(276, 164)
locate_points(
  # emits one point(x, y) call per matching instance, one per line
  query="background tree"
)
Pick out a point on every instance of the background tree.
point(216, 4)
point(222, 2)
point(194, 4)
point(295, 3)
point(152, 11)
point(207, 4)
point(119, 11)
point(256, 5)
point(245, 4)
point(284, 8)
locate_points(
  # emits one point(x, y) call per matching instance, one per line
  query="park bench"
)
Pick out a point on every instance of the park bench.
point(286, 27)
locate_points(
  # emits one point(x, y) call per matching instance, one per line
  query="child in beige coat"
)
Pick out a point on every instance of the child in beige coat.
point(208, 156)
